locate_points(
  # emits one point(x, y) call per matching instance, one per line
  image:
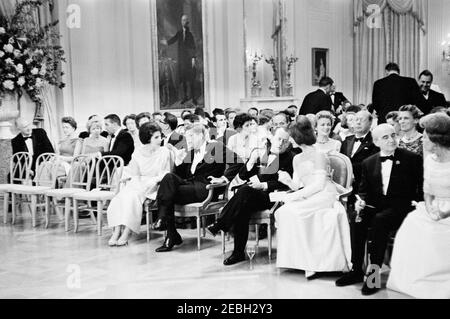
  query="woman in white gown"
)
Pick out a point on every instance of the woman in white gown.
point(148, 165)
point(313, 230)
point(420, 264)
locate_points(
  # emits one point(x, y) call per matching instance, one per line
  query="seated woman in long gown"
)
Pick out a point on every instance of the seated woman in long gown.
point(148, 165)
point(95, 142)
point(420, 264)
point(69, 146)
point(313, 230)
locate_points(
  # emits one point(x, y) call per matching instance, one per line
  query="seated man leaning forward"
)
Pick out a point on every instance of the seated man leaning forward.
point(261, 176)
point(207, 162)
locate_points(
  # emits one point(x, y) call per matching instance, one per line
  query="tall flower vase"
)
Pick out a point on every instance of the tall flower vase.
point(8, 112)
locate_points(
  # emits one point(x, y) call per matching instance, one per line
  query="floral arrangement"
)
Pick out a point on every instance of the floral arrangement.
point(289, 62)
point(255, 59)
point(274, 85)
point(30, 56)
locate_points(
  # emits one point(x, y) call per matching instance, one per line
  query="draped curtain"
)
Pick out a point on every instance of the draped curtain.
point(398, 39)
point(45, 15)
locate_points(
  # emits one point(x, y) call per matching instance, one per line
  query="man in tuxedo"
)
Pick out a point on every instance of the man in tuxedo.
point(391, 180)
point(358, 147)
point(337, 101)
point(429, 99)
point(221, 133)
point(261, 176)
point(393, 91)
point(169, 125)
point(121, 143)
point(319, 100)
point(34, 141)
point(186, 58)
point(205, 163)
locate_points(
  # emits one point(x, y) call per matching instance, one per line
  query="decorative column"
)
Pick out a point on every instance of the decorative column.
point(8, 112)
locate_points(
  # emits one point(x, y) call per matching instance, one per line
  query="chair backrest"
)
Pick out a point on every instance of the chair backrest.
point(342, 169)
point(108, 172)
point(46, 170)
point(20, 168)
point(81, 172)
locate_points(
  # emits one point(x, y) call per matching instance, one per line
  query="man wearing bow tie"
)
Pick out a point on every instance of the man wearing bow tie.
point(360, 146)
point(390, 181)
point(337, 101)
point(261, 173)
point(205, 163)
point(34, 141)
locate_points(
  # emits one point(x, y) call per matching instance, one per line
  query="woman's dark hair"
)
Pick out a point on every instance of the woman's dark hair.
point(129, 117)
point(141, 116)
point(241, 119)
point(184, 113)
point(414, 110)
point(69, 120)
point(437, 127)
point(393, 115)
point(263, 120)
point(171, 120)
point(302, 132)
point(146, 132)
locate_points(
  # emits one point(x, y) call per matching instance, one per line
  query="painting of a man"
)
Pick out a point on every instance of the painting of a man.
point(180, 49)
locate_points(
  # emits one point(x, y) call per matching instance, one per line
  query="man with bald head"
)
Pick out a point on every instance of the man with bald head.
point(390, 181)
point(32, 140)
point(186, 58)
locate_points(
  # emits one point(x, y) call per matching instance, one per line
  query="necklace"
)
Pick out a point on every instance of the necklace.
point(412, 138)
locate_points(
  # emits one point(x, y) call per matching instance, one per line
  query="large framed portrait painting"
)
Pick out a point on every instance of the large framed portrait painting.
point(319, 65)
point(178, 53)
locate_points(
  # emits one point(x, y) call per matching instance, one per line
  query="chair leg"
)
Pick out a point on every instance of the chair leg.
point(204, 226)
point(99, 217)
point(269, 238)
point(33, 209)
point(257, 234)
point(47, 211)
point(13, 208)
point(147, 221)
point(223, 241)
point(198, 232)
point(75, 215)
point(5, 207)
point(66, 213)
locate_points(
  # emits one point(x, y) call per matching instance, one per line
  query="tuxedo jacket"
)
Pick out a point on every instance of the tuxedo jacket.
point(434, 99)
point(392, 92)
point(218, 161)
point(315, 102)
point(224, 138)
point(85, 134)
point(41, 144)
point(339, 99)
point(123, 147)
point(366, 150)
point(405, 184)
point(269, 174)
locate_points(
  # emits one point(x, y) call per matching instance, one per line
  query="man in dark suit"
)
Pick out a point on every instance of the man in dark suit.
point(221, 133)
point(360, 146)
point(34, 141)
point(429, 99)
point(169, 125)
point(391, 180)
point(206, 163)
point(121, 143)
point(337, 101)
point(319, 100)
point(261, 176)
point(186, 58)
point(393, 91)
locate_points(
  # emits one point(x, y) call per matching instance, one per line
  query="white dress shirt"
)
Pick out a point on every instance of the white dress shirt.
point(386, 169)
point(198, 157)
point(357, 145)
point(29, 144)
point(113, 140)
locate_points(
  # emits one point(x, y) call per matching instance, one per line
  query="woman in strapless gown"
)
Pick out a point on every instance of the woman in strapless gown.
point(69, 146)
point(95, 142)
point(313, 229)
point(420, 265)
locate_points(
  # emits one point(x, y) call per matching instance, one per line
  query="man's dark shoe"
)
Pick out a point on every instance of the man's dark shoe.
point(169, 243)
point(367, 291)
point(213, 229)
point(351, 278)
point(234, 259)
point(159, 225)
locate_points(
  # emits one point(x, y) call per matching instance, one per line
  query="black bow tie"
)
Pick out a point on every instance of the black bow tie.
point(360, 139)
point(113, 136)
point(27, 137)
point(386, 158)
